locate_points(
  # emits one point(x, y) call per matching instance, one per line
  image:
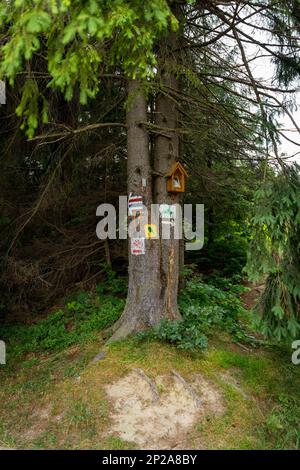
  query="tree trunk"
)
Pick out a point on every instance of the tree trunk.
point(153, 277)
point(143, 306)
point(166, 153)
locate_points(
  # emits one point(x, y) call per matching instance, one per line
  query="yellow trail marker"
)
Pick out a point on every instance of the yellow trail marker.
point(150, 231)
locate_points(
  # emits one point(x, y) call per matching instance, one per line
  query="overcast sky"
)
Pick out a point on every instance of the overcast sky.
point(263, 70)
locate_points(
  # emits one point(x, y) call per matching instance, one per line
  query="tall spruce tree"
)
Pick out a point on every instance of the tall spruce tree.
point(173, 53)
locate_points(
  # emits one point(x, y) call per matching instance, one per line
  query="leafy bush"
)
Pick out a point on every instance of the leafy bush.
point(205, 309)
point(210, 307)
point(180, 333)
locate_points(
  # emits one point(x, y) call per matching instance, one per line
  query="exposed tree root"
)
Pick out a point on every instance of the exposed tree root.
point(122, 329)
point(151, 384)
point(189, 388)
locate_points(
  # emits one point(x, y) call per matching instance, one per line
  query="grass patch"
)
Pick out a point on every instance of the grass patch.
point(79, 322)
point(78, 414)
point(53, 397)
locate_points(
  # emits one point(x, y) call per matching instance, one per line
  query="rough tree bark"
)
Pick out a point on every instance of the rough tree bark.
point(143, 306)
point(166, 153)
point(153, 277)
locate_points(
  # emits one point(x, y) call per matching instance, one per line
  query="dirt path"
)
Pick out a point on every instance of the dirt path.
point(250, 298)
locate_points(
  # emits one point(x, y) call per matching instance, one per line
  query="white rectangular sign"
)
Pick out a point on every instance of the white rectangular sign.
point(138, 246)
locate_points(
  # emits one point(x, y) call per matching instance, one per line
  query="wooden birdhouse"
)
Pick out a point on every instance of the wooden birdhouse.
point(176, 179)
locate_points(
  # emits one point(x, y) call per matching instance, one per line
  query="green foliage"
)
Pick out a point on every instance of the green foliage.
point(78, 322)
point(275, 254)
point(113, 284)
point(29, 108)
point(227, 254)
point(183, 334)
point(205, 310)
point(212, 308)
point(227, 204)
point(73, 36)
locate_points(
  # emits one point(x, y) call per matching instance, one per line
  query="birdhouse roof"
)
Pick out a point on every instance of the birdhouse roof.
point(177, 167)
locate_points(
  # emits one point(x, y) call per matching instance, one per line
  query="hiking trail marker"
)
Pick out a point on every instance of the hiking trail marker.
point(150, 231)
point(138, 246)
point(135, 204)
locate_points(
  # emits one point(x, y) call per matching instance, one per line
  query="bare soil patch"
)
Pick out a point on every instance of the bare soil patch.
point(158, 414)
